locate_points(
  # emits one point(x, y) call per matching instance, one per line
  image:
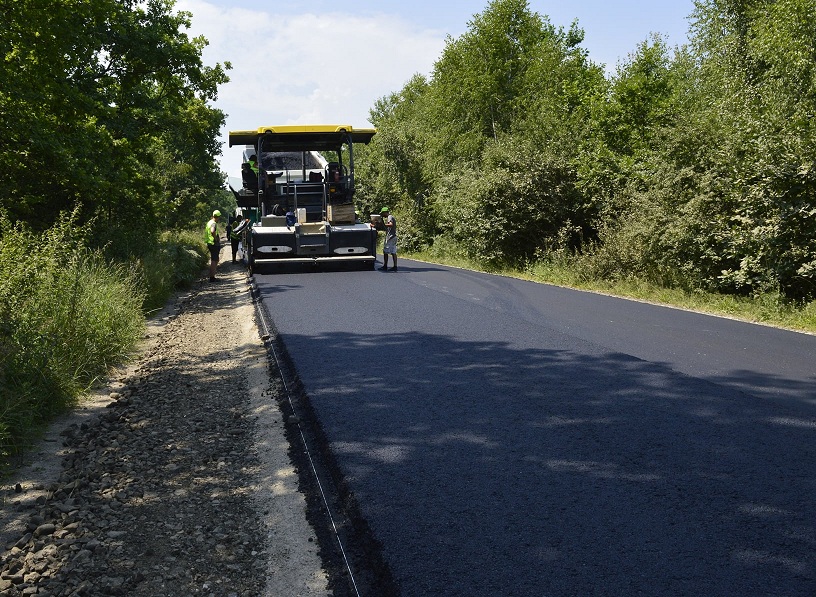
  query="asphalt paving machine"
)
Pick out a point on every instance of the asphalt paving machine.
point(300, 201)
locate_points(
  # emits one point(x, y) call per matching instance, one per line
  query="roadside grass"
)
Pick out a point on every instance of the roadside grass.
point(770, 309)
point(173, 264)
point(68, 314)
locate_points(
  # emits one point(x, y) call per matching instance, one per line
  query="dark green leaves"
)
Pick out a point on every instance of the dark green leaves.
point(96, 97)
point(692, 166)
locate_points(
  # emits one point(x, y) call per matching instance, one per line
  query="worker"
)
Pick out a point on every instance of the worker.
point(255, 167)
point(390, 244)
point(236, 234)
point(213, 241)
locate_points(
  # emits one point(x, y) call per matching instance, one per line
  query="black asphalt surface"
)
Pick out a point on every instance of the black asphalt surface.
point(509, 438)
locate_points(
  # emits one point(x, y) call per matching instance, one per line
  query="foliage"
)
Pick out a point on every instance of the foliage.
point(108, 138)
point(729, 179)
point(68, 313)
point(690, 167)
point(474, 152)
point(67, 316)
point(176, 261)
point(514, 208)
point(104, 104)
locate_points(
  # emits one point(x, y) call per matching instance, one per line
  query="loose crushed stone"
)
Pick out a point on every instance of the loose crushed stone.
point(173, 479)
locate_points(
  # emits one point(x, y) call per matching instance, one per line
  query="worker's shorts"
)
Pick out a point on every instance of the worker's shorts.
point(215, 251)
point(390, 246)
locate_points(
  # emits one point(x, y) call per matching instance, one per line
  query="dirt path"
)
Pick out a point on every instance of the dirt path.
point(174, 478)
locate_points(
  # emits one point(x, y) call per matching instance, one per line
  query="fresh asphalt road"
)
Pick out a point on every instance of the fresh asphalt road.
point(510, 438)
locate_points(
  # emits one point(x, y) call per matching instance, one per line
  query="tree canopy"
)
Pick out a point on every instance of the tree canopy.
point(692, 166)
point(105, 104)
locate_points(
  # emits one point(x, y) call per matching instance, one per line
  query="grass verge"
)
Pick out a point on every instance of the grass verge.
point(68, 314)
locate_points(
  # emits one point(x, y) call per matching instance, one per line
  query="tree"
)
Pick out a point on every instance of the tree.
point(480, 77)
point(94, 95)
point(694, 168)
point(448, 143)
point(758, 60)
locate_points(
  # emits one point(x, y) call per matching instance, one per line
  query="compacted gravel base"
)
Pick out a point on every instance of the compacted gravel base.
point(179, 485)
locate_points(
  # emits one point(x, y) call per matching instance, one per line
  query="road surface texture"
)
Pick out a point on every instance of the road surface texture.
point(493, 436)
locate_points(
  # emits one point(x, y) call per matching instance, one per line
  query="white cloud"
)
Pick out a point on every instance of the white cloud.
point(308, 68)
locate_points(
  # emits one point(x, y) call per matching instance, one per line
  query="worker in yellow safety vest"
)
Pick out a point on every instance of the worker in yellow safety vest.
point(253, 165)
point(213, 241)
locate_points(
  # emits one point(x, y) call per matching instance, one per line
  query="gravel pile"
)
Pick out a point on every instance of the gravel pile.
point(177, 484)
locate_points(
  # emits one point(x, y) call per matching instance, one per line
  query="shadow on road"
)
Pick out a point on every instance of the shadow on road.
point(487, 470)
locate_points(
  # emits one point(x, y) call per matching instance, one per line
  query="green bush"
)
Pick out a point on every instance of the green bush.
point(67, 314)
point(175, 261)
point(519, 204)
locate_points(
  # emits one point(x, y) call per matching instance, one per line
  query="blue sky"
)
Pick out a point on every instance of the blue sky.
point(328, 62)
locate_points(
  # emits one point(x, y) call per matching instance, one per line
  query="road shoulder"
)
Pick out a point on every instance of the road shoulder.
point(83, 489)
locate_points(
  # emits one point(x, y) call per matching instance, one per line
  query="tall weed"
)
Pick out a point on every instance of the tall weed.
point(175, 262)
point(67, 316)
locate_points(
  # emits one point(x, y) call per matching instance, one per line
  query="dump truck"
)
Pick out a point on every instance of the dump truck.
point(301, 202)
